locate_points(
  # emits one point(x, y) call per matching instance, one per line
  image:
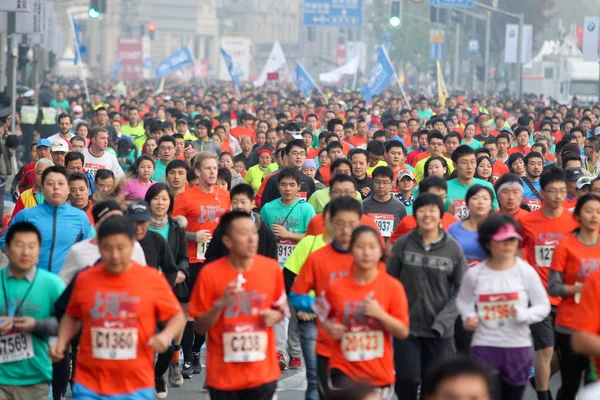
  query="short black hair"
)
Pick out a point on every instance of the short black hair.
point(336, 164)
point(356, 151)
point(338, 178)
point(176, 164)
point(435, 135)
point(390, 144)
point(166, 138)
point(376, 147)
point(224, 174)
point(114, 225)
point(104, 174)
point(428, 199)
point(344, 203)
point(453, 134)
point(460, 152)
point(385, 172)
point(334, 145)
point(56, 170)
point(155, 189)
point(78, 176)
point(72, 156)
point(229, 218)
point(490, 226)
point(242, 189)
point(289, 172)
point(294, 143)
point(458, 366)
point(553, 174)
point(22, 227)
point(432, 182)
point(473, 190)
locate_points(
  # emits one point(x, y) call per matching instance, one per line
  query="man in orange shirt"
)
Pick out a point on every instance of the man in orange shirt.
point(509, 191)
point(246, 128)
point(498, 166)
point(336, 126)
point(202, 206)
point(335, 151)
point(237, 301)
point(360, 139)
point(118, 317)
point(522, 146)
point(432, 184)
point(586, 338)
point(542, 231)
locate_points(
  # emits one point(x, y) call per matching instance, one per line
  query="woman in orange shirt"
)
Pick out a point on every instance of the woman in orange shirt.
point(574, 259)
point(367, 308)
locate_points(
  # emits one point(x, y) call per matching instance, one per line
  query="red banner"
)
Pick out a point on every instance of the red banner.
point(131, 58)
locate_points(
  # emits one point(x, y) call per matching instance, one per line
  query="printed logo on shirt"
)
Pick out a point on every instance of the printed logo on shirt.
point(248, 303)
point(444, 264)
point(210, 213)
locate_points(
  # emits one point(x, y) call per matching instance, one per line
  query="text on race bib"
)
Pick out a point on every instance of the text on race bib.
point(460, 209)
point(362, 345)
point(15, 347)
point(245, 343)
point(201, 250)
point(385, 223)
point(495, 309)
point(303, 195)
point(114, 340)
point(543, 255)
point(285, 247)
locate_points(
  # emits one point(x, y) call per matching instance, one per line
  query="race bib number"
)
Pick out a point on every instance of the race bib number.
point(577, 297)
point(245, 343)
point(201, 250)
point(15, 347)
point(362, 345)
point(460, 209)
point(114, 340)
point(284, 249)
point(543, 255)
point(533, 204)
point(495, 310)
point(303, 195)
point(385, 223)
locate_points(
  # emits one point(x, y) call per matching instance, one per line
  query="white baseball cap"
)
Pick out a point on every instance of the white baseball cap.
point(59, 145)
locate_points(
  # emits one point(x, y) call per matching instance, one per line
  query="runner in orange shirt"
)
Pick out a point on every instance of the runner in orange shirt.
point(542, 231)
point(119, 317)
point(509, 191)
point(574, 260)
point(367, 308)
point(324, 265)
point(432, 184)
point(202, 206)
point(236, 302)
point(246, 128)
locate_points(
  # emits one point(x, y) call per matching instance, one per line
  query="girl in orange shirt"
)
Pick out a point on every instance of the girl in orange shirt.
point(574, 259)
point(367, 308)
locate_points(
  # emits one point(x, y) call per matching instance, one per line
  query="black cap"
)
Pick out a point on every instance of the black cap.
point(573, 174)
point(139, 211)
point(4, 112)
point(104, 207)
point(181, 121)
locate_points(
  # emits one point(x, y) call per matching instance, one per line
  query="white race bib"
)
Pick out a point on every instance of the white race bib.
point(543, 255)
point(245, 343)
point(201, 250)
point(114, 340)
point(362, 345)
point(385, 223)
point(284, 249)
point(303, 195)
point(15, 346)
point(460, 209)
point(495, 310)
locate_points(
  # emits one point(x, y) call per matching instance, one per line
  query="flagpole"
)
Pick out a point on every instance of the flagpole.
point(82, 75)
point(396, 78)
point(313, 82)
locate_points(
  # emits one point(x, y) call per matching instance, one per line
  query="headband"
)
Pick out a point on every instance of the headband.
point(510, 185)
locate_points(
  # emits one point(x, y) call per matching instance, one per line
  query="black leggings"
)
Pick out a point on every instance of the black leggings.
point(509, 392)
point(61, 372)
point(162, 361)
point(323, 376)
point(572, 367)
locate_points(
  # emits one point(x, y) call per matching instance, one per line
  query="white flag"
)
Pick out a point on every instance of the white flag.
point(274, 62)
point(511, 43)
point(350, 68)
point(590, 38)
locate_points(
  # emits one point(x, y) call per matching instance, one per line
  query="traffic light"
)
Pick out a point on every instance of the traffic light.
point(151, 29)
point(395, 13)
point(97, 8)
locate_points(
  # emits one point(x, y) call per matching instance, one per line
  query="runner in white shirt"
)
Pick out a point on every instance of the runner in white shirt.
point(96, 156)
point(499, 298)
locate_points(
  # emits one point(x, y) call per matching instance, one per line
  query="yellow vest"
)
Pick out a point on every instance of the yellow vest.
point(29, 115)
point(48, 116)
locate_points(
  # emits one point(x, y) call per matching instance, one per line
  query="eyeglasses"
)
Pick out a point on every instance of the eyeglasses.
point(341, 226)
point(166, 148)
point(341, 193)
point(297, 153)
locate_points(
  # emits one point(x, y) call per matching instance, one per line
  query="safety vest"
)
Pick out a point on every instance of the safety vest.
point(48, 116)
point(29, 115)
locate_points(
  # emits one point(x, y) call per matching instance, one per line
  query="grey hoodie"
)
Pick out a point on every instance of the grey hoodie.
point(431, 279)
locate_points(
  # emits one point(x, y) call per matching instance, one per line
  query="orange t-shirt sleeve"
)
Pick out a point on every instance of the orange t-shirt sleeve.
point(559, 258)
point(588, 313)
point(201, 299)
point(179, 206)
point(312, 227)
point(280, 297)
point(399, 231)
point(305, 280)
point(165, 302)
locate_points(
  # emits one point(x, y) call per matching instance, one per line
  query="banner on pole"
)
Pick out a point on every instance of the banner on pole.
point(304, 82)
point(381, 74)
point(590, 38)
point(234, 72)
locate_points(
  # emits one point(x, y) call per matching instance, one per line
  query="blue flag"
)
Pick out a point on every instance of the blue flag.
point(77, 40)
point(381, 74)
point(304, 82)
point(234, 71)
point(174, 62)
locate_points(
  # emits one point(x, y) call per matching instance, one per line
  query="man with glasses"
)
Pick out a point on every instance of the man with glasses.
point(166, 154)
point(591, 149)
point(435, 141)
point(542, 230)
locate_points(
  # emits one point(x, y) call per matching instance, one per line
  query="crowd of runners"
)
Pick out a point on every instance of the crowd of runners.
point(392, 246)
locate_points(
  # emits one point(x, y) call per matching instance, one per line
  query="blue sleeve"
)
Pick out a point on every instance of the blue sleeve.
point(88, 230)
point(302, 302)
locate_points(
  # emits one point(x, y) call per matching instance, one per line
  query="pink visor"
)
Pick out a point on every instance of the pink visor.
point(506, 232)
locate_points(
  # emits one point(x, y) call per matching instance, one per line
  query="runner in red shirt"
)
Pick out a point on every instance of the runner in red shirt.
point(236, 301)
point(367, 308)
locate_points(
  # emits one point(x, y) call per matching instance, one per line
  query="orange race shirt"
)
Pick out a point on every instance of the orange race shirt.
point(365, 352)
point(202, 211)
point(498, 169)
point(541, 235)
point(320, 268)
point(326, 174)
point(119, 314)
point(239, 131)
point(576, 262)
point(519, 149)
point(409, 223)
point(357, 141)
point(241, 350)
point(587, 316)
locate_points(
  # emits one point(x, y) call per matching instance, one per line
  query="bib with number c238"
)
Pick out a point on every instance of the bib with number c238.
point(244, 343)
point(114, 340)
point(362, 344)
point(495, 309)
